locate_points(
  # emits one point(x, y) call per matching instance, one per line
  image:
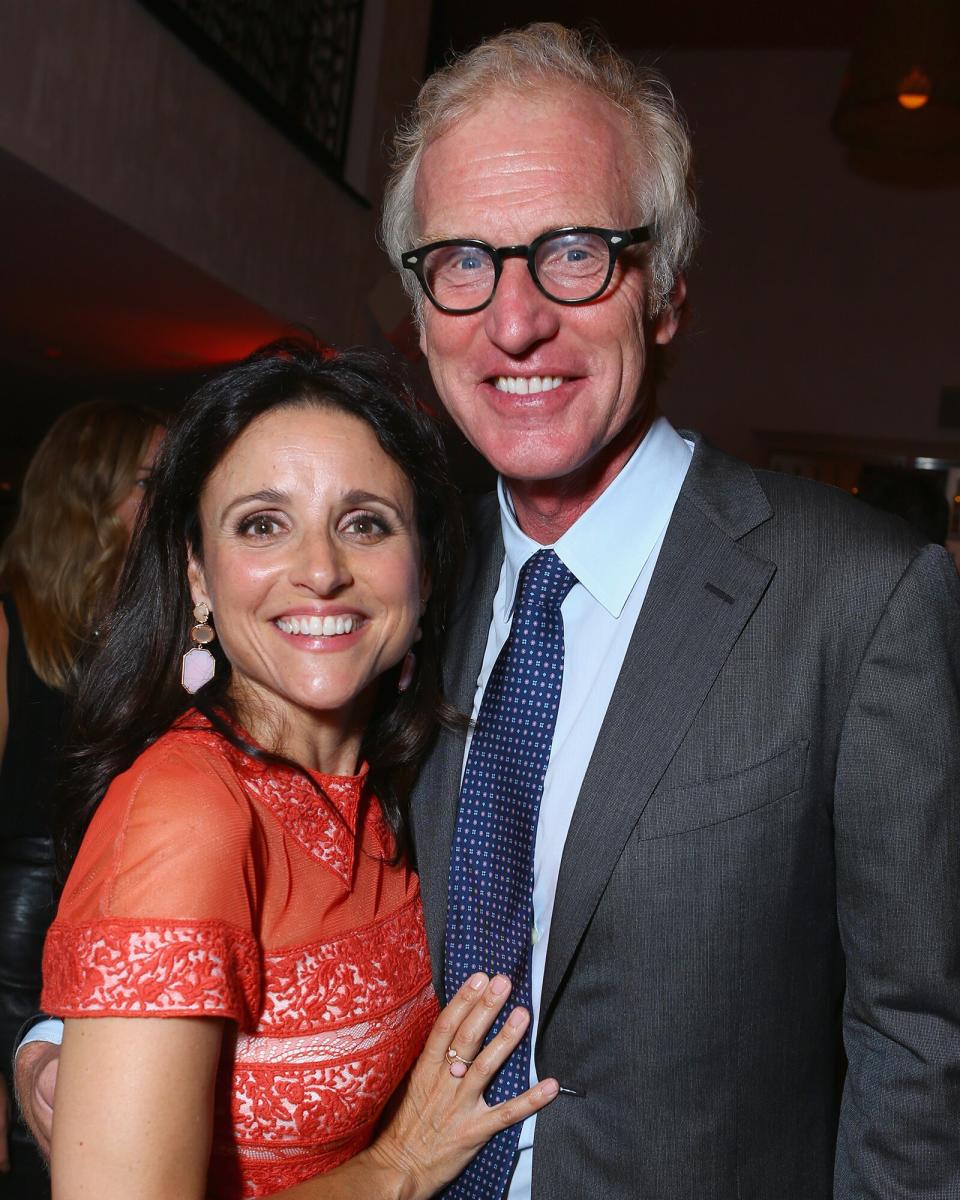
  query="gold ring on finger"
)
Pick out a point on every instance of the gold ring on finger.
point(453, 1056)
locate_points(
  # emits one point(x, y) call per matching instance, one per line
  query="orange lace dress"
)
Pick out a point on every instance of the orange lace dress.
point(210, 884)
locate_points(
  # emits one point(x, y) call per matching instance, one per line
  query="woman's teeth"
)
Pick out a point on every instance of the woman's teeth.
point(523, 385)
point(318, 626)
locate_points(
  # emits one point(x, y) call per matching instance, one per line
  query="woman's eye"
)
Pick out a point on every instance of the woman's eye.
point(259, 525)
point(365, 525)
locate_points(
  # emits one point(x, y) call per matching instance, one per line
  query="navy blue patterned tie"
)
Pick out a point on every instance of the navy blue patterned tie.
point(490, 902)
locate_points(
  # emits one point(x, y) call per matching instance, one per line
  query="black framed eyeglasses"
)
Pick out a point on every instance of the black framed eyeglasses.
point(573, 265)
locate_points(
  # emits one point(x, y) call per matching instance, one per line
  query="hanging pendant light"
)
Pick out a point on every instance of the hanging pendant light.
point(901, 94)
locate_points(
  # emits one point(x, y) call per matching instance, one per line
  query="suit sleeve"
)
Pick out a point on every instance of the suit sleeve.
point(897, 830)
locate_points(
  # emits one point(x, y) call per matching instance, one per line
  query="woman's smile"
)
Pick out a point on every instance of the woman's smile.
point(317, 626)
point(311, 565)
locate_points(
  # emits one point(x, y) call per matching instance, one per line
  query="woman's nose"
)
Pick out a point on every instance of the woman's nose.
point(321, 565)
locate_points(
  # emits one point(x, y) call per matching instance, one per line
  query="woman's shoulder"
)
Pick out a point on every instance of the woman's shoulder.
point(181, 797)
point(189, 768)
point(177, 820)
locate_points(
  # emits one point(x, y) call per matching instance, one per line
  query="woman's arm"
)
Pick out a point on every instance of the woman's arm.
point(134, 1112)
point(134, 1108)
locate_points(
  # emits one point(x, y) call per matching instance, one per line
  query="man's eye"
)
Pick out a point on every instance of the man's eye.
point(456, 260)
point(578, 252)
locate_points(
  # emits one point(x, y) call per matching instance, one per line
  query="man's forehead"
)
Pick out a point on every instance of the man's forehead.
point(514, 163)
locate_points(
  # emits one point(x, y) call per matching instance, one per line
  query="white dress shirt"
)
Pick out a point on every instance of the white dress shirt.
point(612, 550)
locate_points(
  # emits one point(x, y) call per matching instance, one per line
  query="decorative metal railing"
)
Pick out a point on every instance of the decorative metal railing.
point(294, 61)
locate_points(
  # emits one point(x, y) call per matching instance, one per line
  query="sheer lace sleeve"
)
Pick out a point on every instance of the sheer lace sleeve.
point(158, 916)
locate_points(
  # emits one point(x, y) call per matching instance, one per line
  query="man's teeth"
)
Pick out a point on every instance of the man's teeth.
point(523, 385)
point(318, 626)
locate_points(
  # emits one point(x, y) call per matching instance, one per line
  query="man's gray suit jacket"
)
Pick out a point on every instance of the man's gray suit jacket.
point(764, 856)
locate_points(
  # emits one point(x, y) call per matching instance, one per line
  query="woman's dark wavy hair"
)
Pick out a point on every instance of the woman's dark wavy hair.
point(130, 692)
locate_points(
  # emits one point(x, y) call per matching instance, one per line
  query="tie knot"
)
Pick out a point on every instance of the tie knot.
point(544, 581)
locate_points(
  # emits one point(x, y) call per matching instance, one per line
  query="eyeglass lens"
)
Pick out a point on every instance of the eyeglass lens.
point(570, 266)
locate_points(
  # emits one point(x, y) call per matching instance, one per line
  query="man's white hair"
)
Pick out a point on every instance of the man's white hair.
point(542, 55)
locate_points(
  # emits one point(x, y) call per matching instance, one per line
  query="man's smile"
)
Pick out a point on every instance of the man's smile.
point(523, 385)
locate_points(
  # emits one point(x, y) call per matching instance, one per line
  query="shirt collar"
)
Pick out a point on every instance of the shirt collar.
point(608, 546)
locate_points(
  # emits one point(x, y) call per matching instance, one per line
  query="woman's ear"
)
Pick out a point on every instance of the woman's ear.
point(195, 578)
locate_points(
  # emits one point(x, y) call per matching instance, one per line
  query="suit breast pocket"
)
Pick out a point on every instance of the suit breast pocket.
point(713, 801)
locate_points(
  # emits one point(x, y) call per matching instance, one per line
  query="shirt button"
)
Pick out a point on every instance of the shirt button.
point(534, 935)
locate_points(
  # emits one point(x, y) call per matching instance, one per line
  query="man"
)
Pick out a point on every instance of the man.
point(744, 825)
point(749, 820)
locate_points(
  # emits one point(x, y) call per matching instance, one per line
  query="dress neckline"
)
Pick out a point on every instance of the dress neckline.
point(321, 812)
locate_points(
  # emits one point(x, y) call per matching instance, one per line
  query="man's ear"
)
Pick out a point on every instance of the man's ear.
point(667, 321)
point(195, 577)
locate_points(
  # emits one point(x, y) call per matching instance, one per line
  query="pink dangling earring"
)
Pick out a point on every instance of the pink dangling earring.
point(406, 672)
point(198, 665)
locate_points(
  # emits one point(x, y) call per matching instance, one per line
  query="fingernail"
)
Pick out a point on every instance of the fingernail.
point(477, 982)
point(499, 984)
point(549, 1089)
point(517, 1018)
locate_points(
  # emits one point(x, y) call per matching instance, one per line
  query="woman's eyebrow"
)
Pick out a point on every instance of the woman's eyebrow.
point(274, 496)
point(361, 497)
point(267, 496)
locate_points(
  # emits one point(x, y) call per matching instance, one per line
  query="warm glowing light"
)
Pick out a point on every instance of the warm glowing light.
point(914, 90)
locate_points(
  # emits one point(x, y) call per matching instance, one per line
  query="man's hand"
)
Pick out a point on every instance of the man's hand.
point(36, 1081)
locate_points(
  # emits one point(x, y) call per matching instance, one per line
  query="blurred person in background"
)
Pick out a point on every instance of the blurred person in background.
point(58, 568)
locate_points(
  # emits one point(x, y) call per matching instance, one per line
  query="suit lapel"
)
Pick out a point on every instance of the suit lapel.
point(704, 589)
point(435, 799)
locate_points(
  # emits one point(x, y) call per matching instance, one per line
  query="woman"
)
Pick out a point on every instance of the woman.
point(58, 568)
point(245, 866)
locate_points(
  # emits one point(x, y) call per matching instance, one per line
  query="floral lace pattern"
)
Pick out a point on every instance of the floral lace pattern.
point(323, 1031)
point(327, 832)
point(119, 967)
point(342, 981)
point(299, 1103)
point(333, 1091)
